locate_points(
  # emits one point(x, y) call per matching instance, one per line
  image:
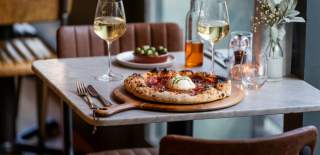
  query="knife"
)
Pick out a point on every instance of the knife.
point(94, 93)
point(218, 59)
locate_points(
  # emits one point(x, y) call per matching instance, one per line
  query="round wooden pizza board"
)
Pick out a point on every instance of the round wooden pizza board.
point(132, 102)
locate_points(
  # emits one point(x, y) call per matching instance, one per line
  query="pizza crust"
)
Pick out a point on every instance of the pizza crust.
point(136, 85)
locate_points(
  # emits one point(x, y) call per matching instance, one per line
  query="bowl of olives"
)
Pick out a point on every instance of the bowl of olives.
point(149, 54)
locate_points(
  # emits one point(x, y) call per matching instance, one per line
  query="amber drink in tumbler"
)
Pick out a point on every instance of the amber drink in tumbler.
point(193, 54)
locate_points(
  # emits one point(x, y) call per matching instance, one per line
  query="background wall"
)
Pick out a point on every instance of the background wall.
point(176, 10)
point(83, 12)
point(309, 55)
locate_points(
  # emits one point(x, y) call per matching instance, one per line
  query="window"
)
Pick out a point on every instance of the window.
point(240, 13)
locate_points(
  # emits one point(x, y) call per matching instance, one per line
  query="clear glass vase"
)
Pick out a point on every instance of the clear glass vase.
point(275, 54)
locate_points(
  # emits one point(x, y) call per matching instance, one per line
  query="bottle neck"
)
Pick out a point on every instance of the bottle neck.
point(193, 5)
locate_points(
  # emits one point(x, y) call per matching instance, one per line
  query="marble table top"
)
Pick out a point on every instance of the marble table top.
point(291, 95)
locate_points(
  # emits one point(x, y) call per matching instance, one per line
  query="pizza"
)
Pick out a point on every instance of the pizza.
point(178, 87)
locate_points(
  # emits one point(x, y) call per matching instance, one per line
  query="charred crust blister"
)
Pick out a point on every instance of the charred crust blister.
point(222, 79)
point(155, 70)
point(165, 70)
point(136, 74)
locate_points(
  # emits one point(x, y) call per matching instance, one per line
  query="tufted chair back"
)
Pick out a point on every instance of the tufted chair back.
point(289, 143)
point(81, 41)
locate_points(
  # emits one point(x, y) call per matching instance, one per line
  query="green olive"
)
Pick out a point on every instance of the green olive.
point(136, 51)
point(162, 51)
point(146, 47)
point(142, 52)
point(165, 49)
point(149, 52)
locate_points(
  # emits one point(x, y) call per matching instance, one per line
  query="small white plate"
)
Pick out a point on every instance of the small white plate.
point(126, 59)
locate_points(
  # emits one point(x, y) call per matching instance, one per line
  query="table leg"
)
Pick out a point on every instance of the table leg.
point(67, 122)
point(180, 128)
point(292, 121)
point(258, 126)
point(41, 112)
point(8, 111)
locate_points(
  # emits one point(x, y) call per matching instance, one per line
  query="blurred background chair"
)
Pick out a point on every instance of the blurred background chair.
point(295, 142)
point(19, 46)
point(81, 41)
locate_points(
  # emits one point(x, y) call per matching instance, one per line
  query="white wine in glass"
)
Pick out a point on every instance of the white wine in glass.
point(109, 25)
point(109, 28)
point(213, 31)
point(213, 23)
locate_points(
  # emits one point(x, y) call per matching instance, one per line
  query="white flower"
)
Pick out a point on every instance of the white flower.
point(276, 2)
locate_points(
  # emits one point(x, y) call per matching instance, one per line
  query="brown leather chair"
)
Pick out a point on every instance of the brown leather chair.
point(289, 143)
point(81, 41)
point(138, 151)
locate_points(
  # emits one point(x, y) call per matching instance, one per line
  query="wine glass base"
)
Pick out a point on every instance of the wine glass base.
point(110, 77)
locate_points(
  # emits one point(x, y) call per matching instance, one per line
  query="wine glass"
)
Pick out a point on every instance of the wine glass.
point(213, 23)
point(110, 25)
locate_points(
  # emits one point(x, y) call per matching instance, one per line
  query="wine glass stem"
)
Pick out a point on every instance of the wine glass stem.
point(109, 57)
point(212, 56)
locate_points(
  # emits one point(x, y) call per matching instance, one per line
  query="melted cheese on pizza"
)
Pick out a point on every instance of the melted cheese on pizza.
point(179, 82)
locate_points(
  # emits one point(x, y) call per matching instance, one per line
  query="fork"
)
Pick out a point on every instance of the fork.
point(83, 92)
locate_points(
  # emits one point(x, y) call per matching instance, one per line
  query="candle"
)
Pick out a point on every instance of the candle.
point(242, 70)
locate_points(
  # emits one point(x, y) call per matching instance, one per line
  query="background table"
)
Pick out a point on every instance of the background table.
point(291, 96)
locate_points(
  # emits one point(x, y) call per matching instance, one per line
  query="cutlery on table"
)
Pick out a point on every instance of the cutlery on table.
point(83, 92)
point(94, 93)
point(219, 58)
